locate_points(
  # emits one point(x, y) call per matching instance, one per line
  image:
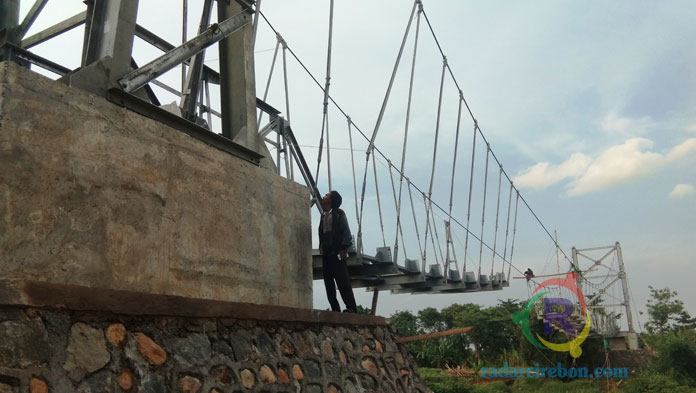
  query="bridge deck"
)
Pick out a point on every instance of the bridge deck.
point(379, 272)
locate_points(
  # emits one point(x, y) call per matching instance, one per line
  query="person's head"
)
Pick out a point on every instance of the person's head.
point(332, 200)
point(336, 200)
point(326, 201)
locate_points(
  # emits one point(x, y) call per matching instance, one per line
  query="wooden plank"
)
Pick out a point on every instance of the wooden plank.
point(450, 332)
point(553, 275)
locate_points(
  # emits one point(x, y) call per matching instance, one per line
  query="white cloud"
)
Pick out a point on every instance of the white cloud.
point(613, 123)
point(616, 165)
point(682, 191)
point(544, 174)
point(682, 150)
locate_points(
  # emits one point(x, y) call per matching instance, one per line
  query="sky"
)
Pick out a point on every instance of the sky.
point(589, 106)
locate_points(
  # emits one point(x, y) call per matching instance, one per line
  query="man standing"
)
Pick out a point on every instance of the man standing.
point(334, 241)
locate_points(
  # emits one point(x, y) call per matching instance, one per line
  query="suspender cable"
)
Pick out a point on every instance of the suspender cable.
point(449, 234)
point(398, 227)
point(207, 103)
point(328, 153)
point(408, 116)
point(514, 231)
point(288, 162)
point(201, 104)
point(497, 211)
point(379, 202)
point(507, 226)
point(432, 238)
point(352, 165)
point(451, 199)
point(432, 170)
point(437, 239)
point(278, 151)
point(184, 31)
point(379, 121)
point(268, 82)
point(471, 185)
point(548, 233)
point(374, 147)
point(483, 212)
point(287, 96)
point(415, 221)
point(256, 22)
point(325, 103)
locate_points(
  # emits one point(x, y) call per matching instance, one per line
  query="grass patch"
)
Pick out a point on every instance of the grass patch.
point(440, 382)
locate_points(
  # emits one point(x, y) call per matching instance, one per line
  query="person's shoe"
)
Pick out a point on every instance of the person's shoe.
point(348, 310)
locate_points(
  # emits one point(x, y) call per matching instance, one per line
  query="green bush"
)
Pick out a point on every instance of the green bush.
point(654, 382)
point(441, 382)
point(676, 356)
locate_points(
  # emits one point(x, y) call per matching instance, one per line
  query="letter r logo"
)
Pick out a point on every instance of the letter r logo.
point(563, 317)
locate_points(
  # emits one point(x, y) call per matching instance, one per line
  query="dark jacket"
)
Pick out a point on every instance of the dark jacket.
point(338, 238)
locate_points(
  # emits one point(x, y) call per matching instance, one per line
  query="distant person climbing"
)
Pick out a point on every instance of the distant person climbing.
point(529, 274)
point(334, 241)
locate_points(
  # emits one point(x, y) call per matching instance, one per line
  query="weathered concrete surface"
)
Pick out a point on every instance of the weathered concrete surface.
point(93, 194)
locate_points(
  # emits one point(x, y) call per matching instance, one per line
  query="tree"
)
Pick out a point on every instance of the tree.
point(430, 320)
point(363, 310)
point(406, 324)
point(666, 312)
point(449, 314)
point(493, 331)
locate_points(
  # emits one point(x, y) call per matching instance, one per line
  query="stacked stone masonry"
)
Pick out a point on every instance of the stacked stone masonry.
point(57, 350)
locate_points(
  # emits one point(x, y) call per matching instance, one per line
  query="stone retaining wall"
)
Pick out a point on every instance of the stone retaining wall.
point(58, 349)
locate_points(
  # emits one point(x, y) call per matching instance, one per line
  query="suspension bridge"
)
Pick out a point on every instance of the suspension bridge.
point(424, 240)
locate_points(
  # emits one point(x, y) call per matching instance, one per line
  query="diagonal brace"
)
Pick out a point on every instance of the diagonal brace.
point(31, 17)
point(143, 75)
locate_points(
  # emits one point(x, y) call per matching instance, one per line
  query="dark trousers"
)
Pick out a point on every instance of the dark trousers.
point(337, 270)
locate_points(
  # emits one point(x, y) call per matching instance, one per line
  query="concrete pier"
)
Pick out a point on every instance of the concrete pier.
point(96, 195)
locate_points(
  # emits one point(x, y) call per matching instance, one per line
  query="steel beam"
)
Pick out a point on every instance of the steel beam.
point(153, 39)
point(28, 57)
point(237, 83)
point(55, 30)
point(9, 19)
point(193, 78)
point(109, 32)
point(140, 77)
point(161, 115)
point(301, 163)
point(624, 287)
point(160, 43)
point(30, 18)
point(148, 90)
point(9, 14)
